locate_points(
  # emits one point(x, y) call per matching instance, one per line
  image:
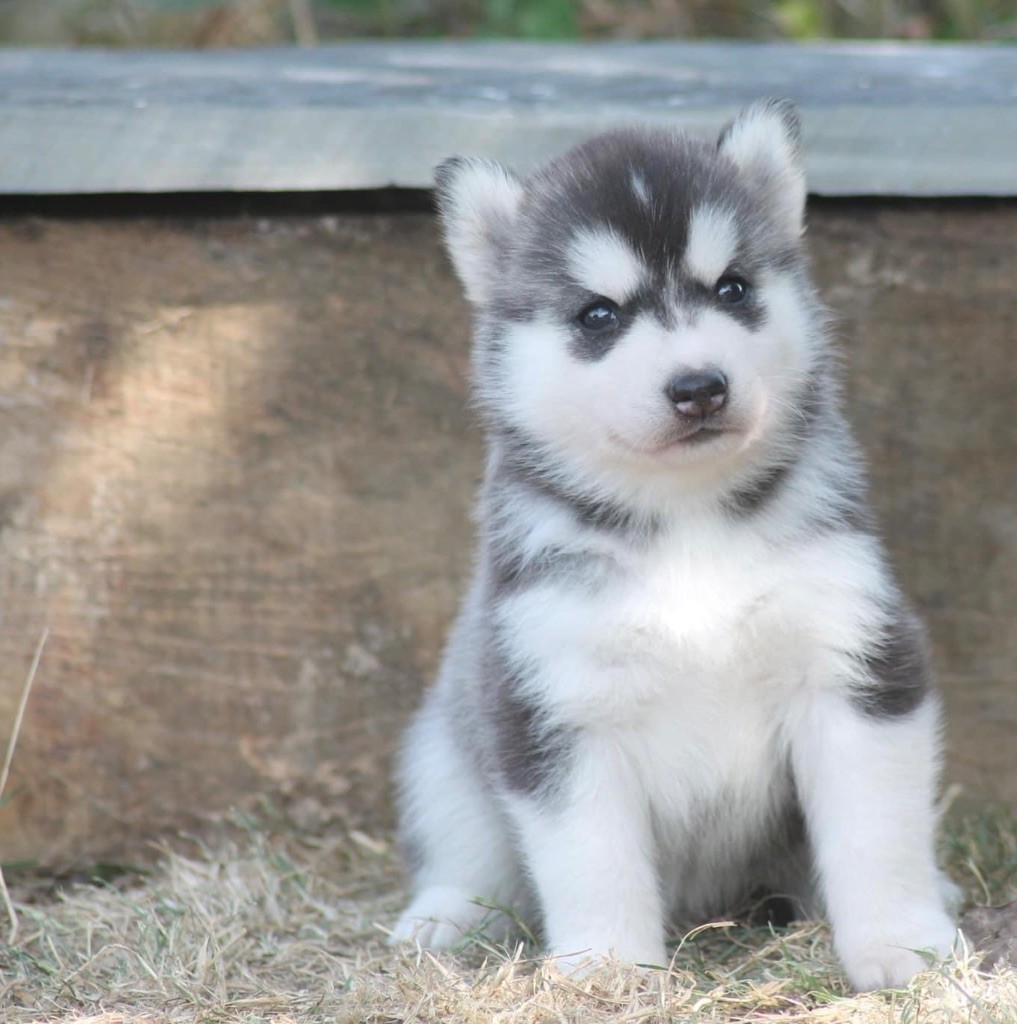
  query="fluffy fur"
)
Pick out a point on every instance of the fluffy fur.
point(683, 674)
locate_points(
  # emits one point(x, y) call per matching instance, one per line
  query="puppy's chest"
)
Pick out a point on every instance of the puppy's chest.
point(694, 635)
point(699, 617)
point(685, 661)
point(697, 659)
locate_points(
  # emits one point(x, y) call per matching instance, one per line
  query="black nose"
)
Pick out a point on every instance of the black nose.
point(697, 394)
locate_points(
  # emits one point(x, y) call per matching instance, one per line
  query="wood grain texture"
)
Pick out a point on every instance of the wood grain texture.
point(880, 119)
point(236, 475)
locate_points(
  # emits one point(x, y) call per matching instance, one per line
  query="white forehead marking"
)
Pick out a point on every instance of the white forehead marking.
point(603, 262)
point(640, 188)
point(713, 241)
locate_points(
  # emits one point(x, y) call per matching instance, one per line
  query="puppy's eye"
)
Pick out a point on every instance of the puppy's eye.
point(601, 316)
point(731, 289)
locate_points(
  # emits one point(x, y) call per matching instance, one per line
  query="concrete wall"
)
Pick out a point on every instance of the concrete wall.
point(236, 475)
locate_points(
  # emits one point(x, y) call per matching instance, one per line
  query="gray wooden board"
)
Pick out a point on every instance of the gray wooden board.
point(880, 119)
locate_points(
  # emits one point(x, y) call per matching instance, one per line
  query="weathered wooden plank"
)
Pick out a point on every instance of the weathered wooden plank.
point(236, 475)
point(881, 119)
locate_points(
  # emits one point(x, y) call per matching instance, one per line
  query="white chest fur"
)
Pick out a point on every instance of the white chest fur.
point(697, 653)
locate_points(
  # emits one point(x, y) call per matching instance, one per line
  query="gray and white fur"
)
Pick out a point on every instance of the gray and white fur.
point(683, 673)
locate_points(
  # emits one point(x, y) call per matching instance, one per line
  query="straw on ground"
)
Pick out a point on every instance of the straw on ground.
point(276, 929)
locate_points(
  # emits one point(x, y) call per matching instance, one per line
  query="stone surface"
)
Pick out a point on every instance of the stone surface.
point(236, 477)
point(880, 119)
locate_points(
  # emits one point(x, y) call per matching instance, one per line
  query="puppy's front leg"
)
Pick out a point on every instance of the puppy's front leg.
point(867, 785)
point(590, 851)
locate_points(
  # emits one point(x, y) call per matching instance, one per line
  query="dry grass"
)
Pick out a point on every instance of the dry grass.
point(292, 931)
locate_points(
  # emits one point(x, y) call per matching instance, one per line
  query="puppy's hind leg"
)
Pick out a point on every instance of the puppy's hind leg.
point(459, 850)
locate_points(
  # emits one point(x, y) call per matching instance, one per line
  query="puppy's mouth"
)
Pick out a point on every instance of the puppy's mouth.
point(700, 433)
point(678, 438)
point(693, 435)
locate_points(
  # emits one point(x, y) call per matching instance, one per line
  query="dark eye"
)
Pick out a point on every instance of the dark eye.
point(601, 316)
point(731, 289)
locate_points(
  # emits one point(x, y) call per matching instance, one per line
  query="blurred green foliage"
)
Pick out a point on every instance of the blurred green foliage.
point(252, 22)
point(531, 19)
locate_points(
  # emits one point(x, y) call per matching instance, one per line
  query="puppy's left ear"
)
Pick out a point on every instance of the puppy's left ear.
point(765, 142)
point(477, 202)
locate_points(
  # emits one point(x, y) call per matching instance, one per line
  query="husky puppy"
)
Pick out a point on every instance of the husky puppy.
point(683, 673)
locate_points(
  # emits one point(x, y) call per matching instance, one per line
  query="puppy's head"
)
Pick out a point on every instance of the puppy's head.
point(643, 311)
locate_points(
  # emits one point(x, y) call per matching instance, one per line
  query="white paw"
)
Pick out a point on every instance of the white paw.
point(890, 955)
point(579, 962)
point(576, 964)
point(438, 918)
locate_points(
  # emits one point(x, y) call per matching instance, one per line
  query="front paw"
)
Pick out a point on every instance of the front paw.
point(577, 960)
point(439, 918)
point(890, 954)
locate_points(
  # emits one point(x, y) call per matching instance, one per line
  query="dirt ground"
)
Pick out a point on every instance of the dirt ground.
point(236, 481)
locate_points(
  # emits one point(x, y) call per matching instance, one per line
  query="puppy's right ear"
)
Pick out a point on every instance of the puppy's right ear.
point(477, 202)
